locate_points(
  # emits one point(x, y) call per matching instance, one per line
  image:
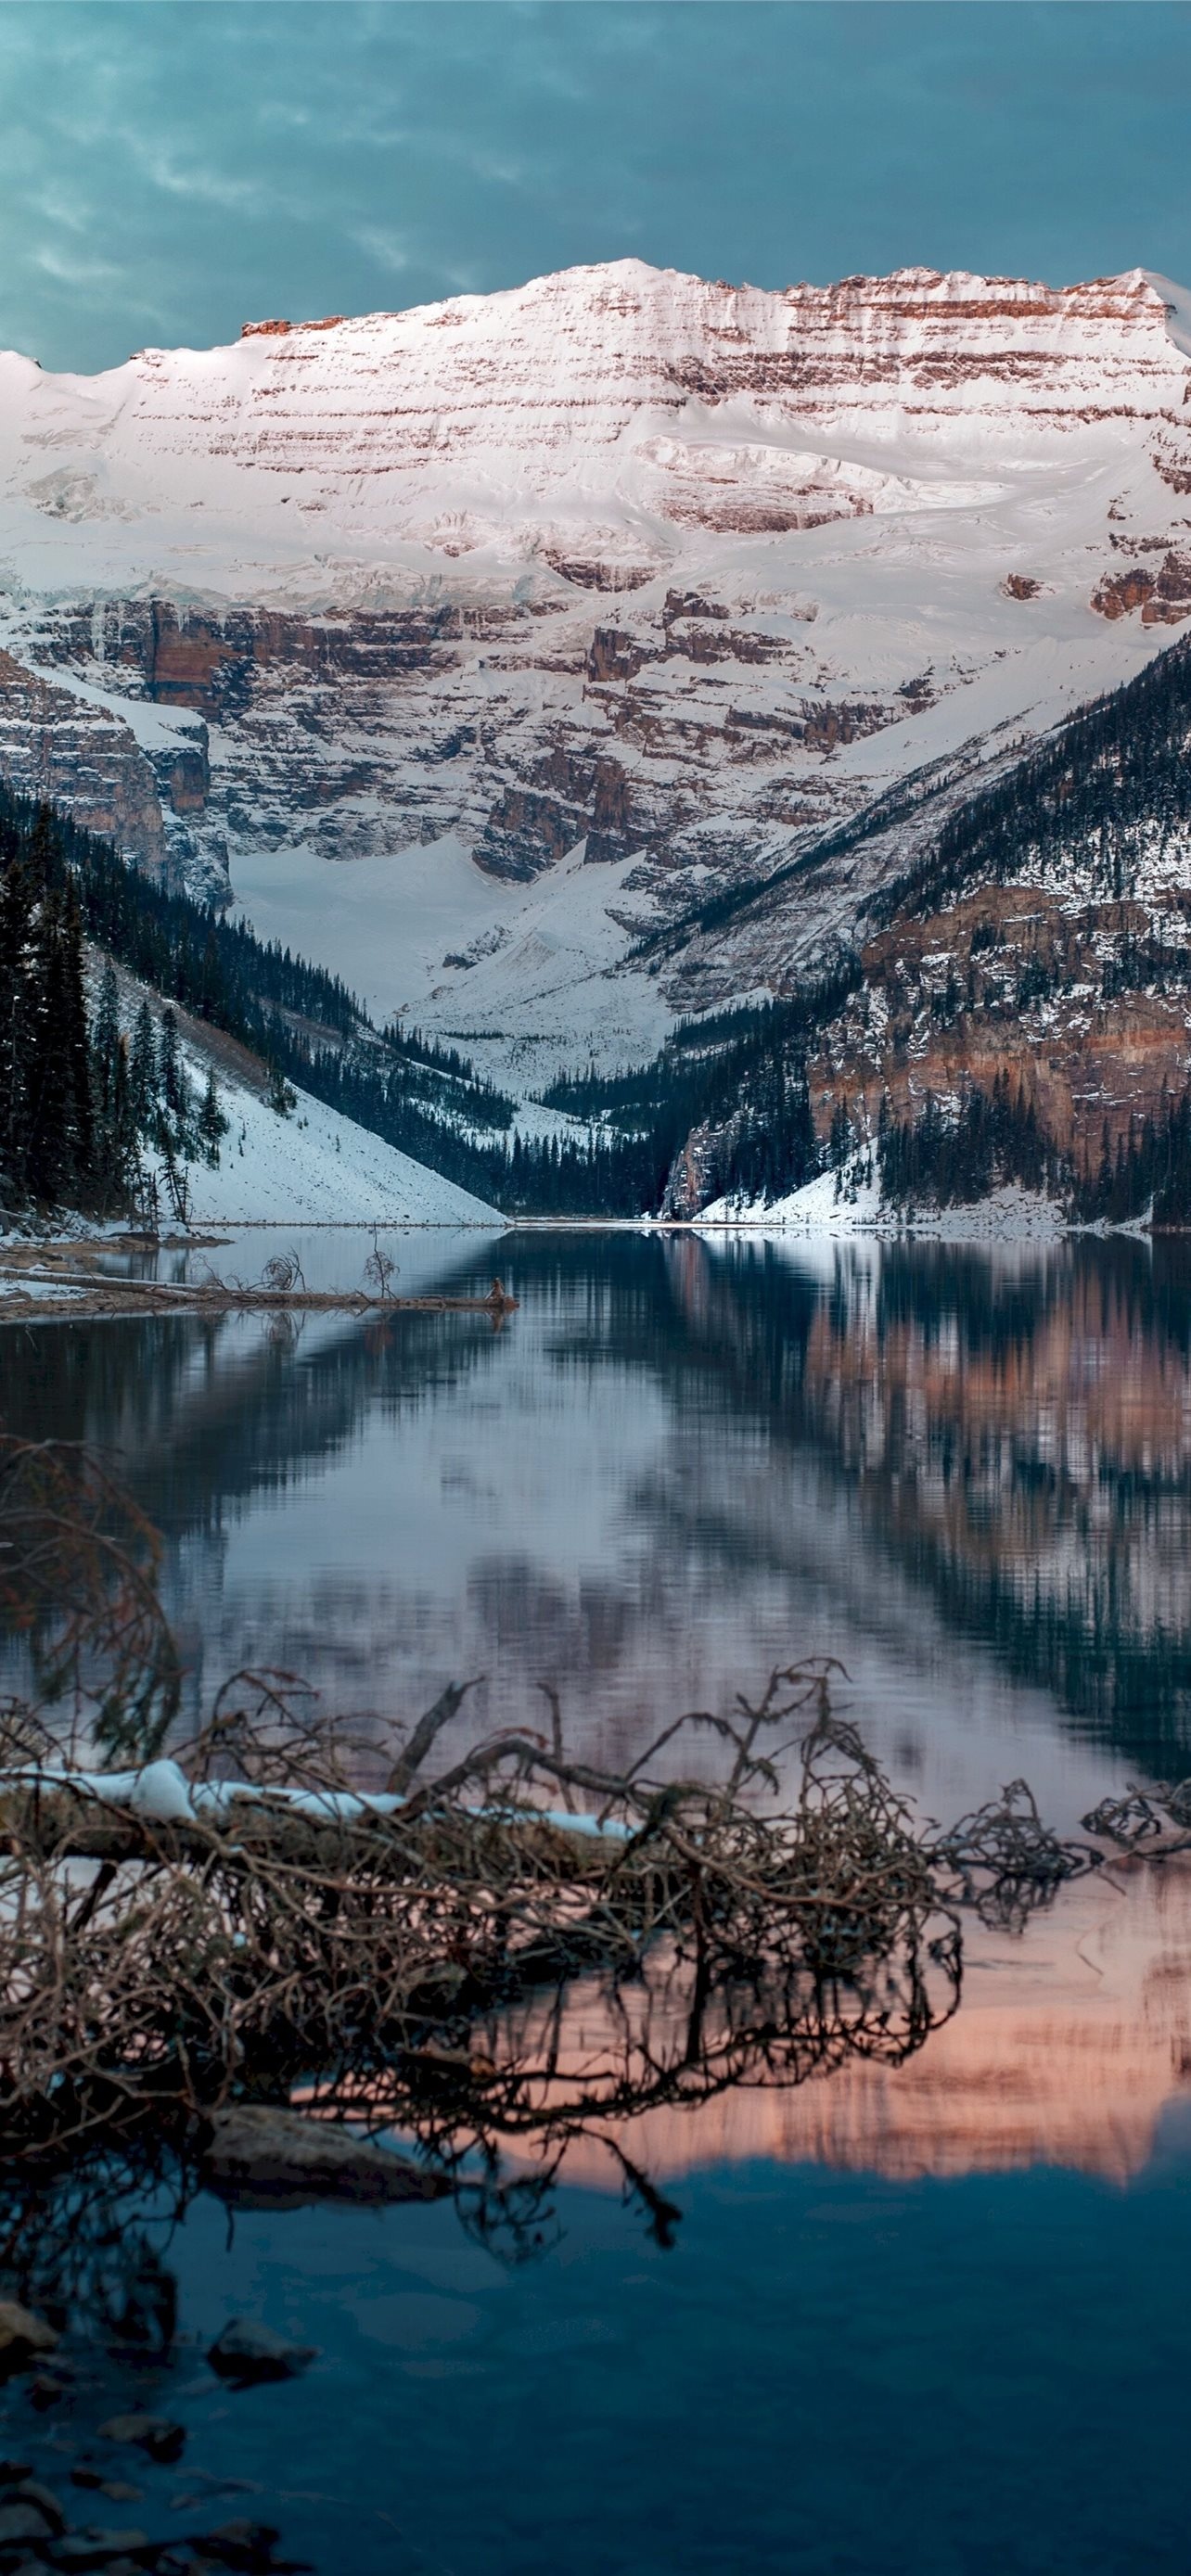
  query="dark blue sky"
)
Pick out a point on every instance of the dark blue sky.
point(172, 167)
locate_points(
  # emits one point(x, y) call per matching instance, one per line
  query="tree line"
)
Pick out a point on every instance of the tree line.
point(1110, 788)
point(742, 1069)
point(954, 1156)
point(81, 1097)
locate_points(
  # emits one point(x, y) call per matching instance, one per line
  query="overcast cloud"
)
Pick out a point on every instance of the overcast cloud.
point(173, 167)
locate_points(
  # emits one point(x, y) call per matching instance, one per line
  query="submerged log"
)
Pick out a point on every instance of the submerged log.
point(218, 1297)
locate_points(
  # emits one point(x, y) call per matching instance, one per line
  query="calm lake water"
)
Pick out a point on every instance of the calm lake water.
point(932, 2322)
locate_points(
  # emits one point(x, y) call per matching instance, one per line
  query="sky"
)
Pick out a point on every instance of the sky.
point(172, 168)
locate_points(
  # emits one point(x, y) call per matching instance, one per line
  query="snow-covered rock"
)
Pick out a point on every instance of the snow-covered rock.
point(667, 572)
point(595, 411)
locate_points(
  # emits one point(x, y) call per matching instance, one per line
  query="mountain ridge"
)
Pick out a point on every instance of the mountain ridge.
point(670, 575)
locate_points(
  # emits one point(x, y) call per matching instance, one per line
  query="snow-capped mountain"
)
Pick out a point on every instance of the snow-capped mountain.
point(674, 573)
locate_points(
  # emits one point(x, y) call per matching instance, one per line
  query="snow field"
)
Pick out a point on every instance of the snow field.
point(312, 1165)
point(1010, 1214)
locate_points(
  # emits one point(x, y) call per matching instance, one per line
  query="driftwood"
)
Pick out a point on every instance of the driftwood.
point(750, 1901)
point(167, 1934)
point(217, 1296)
point(63, 1816)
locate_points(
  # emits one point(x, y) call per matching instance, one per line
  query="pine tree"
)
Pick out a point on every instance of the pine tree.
point(115, 1153)
point(16, 912)
point(174, 1106)
point(142, 1070)
point(105, 1039)
point(212, 1123)
point(170, 1076)
point(49, 1160)
point(77, 1047)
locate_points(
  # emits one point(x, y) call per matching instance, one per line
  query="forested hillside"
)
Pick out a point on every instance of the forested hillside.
point(64, 886)
point(1104, 806)
point(1020, 1010)
point(82, 1098)
point(48, 1142)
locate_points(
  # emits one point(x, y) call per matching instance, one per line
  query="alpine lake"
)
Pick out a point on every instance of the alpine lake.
point(917, 2318)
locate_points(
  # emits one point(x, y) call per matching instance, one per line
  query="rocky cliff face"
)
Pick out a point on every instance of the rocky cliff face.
point(1013, 982)
point(137, 782)
point(675, 570)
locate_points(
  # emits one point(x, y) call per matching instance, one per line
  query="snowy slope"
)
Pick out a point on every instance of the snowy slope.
point(626, 564)
point(522, 976)
point(613, 404)
point(1008, 1215)
point(317, 1167)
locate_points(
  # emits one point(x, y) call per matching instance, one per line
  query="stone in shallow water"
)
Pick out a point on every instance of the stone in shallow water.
point(22, 2519)
point(44, 2393)
point(245, 2350)
point(31, 2491)
point(240, 2544)
point(117, 2490)
point(262, 2156)
point(155, 2434)
point(22, 2336)
point(98, 2548)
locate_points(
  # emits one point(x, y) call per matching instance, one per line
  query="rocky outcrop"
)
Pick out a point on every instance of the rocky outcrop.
point(264, 2156)
point(516, 727)
point(60, 746)
point(218, 662)
point(1017, 981)
point(573, 799)
point(1163, 596)
point(1170, 600)
point(696, 1176)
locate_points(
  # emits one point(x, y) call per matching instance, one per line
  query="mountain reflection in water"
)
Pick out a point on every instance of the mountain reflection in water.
point(877, 2346)
point(685, 1460)
point(966, 1473)
point(1069, 2045)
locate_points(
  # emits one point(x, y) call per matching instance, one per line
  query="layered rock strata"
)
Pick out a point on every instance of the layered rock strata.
point(672, 570)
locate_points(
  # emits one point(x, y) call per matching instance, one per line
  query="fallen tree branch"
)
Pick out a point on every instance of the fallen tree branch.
point(241, 1925)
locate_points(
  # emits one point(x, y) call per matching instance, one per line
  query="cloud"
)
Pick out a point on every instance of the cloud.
point(384, 247)
point(73, 271)
point(195, 161)
point(201, 186)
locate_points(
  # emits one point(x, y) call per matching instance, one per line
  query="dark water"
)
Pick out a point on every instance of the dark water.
point(922, 2321)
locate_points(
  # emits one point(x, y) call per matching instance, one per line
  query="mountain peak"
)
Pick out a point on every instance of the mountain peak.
point(631, 289)
point(667, 570)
